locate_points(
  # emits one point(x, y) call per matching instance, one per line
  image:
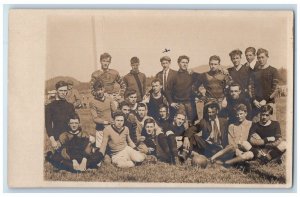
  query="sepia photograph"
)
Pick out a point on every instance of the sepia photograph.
point(153, 98)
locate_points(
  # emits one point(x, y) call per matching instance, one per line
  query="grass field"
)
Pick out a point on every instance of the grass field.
point(161, 172)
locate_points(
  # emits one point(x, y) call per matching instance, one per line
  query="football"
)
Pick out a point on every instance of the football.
point(199, 161)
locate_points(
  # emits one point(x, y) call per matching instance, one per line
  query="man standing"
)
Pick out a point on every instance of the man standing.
point(239, 73)
point(263, 84)
point(109, 76)
point(214, 81)
point(250, 54)
point(167, 74)
point(73, 95)
point(57, 114)
point(135, 79)
point(180, 94)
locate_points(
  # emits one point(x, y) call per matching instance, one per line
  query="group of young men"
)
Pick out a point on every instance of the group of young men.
point(134, 126)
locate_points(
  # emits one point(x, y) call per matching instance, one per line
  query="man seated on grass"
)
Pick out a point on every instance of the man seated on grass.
point(116, 136)
point(76, 153)
point(130, 120)
point(101, 108)
point(210, 135)
point(155, 98)
point(265, 136)
point(174, 132)
point(238, 133)
point(154, 142)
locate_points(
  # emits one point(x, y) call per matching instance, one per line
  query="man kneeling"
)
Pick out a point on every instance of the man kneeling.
point(124, 151)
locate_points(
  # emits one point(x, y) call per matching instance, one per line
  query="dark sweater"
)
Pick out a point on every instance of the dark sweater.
point(180, 89)
point(242, 76)
point(57, 115)
point(178, 131)
point(153, 106)
point(263, 84)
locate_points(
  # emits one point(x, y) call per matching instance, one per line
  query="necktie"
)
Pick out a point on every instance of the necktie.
point(216, 132)
point(165, 80)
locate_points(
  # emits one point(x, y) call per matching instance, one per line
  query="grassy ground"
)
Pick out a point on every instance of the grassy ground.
point(161, 172)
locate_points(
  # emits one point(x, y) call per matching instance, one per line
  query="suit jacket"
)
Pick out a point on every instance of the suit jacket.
point(204, 126)
point(171, 75)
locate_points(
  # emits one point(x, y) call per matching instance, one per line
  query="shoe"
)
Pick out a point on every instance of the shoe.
point(48, 156)
point(183, 155)
point(263, 160)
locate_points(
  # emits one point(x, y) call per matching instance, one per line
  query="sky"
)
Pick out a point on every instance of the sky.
point(75, 41)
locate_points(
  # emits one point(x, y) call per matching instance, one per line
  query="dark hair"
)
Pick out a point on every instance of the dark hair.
point(183, 57)
point(141, 105)
point(118, 113)
point(266, 108)
point(134, 60)
point(129, 92)
point(104, 56)
point(60, 84)
point(163, 106)
point(149, 120)
point(180, 111)
point(235, 52)
point(165, 58)
point(156, 80)
point(261, 50)
point(123, 103)
point(240, 107)
point(98, 84)
point(215, 57)
point(234, 84)
point(251, 49)
point(210, 104)
point(74, 116)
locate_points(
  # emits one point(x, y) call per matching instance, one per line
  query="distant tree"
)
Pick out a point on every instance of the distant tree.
point(282, 76)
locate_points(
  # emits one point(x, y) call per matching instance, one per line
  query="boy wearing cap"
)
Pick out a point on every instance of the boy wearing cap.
point(73, 95)
point(135, 79)
point(57, 114)
point(265, 136)
point(167, 74)
point(110, 77)
point(116, 137)
point(76, 153)
point(101, 107)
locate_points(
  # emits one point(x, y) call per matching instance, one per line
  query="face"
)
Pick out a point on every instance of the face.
point(74, 124)
point(100, 93)
point(212, 113)
point(214, 64)
point(62, 92)
point(156, 87)
point(135, 66)
point(119, 122)
point(241, 115)
point(179, 119)
point(235, 92)
point(142, 112)
point(262, 59)
point(236, 60)
point(132, 99)
point(165, 64)
point(105, 63)
point(150, 128)
point(183, 64)
point(250, 56)
point(163, 113)
point(125, 109)
point(265, 117)
point(70, 86)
